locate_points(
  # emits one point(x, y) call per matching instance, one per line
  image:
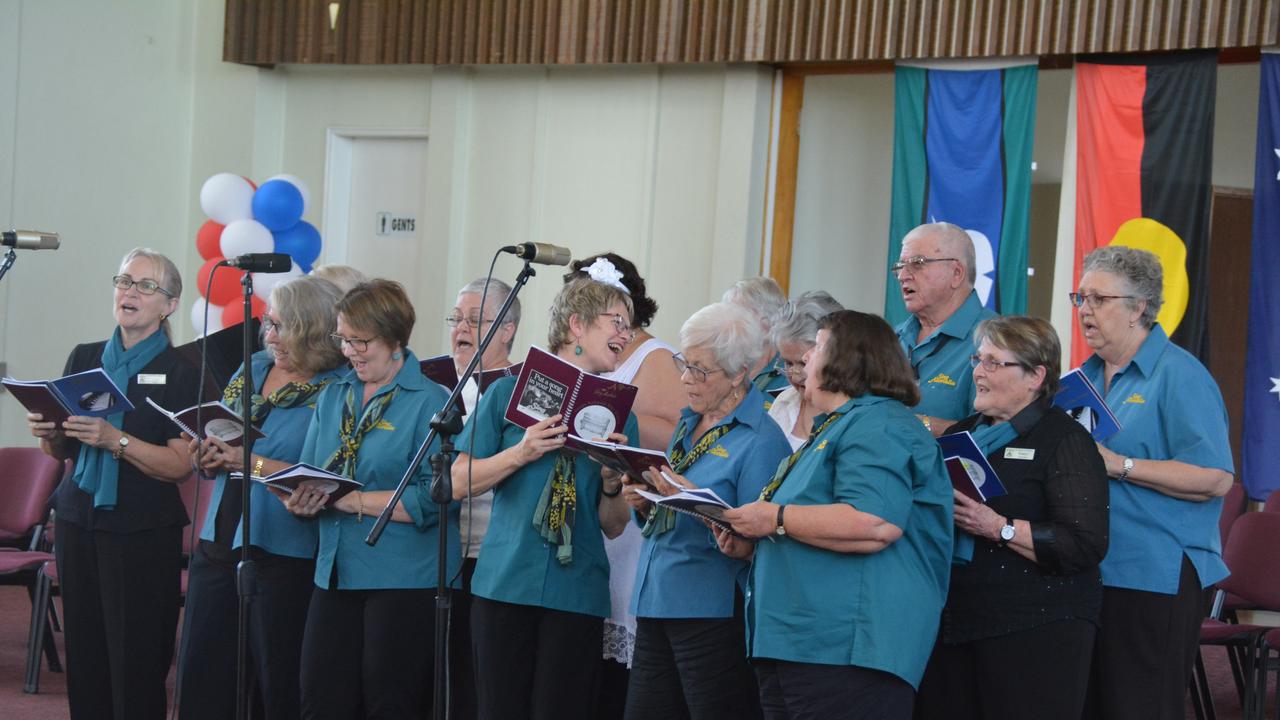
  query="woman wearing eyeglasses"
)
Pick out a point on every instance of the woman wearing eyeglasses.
point(1027, 585)
point(119, 516)
point(540, 592)
point(842, 605)
point(1170, 466)
point(689, 658)
point(793, 336)
point(298, 362)
point(367, 645)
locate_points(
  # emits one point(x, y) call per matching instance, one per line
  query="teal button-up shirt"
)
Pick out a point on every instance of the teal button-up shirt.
point(274, 529)
point(682, 573)
point(879, 610)
point(517, 565)
point(941, 362)
point(1170, 408)
point(405, 556)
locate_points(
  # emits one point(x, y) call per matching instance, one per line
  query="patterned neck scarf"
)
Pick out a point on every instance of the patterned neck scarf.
point(286, 396)
point(343, 460)
point(762, 381)
point(557, 507)
point(97, 473)
point(785, 466)
point(663, 519)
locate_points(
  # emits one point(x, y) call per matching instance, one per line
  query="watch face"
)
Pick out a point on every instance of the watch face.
point(1006, 533)
point(124, 440)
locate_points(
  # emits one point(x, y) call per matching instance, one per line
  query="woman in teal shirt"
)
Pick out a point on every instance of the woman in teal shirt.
point(367, 647)
point(689, 659)
point(843, 606)
point(299, 361)
point(540, 592)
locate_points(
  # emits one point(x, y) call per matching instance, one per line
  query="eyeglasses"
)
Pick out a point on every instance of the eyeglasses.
point(991, 364)
point(620, 324)
point(790, 369)
point(146, 286)
point(915, 264)
point(455, 320)
point(269, 325)
point(698, 374)
point(1095, 300)
point(355, 343)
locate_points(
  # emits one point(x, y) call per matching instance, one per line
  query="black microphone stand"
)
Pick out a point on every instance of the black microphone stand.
point(9, 258)
point(445, 424)
point(246, 571)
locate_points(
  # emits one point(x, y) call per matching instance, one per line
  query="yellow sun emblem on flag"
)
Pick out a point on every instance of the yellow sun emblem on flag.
point(1157, 238)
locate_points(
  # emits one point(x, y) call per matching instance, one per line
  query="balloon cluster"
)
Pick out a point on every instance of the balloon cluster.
point(245, 218)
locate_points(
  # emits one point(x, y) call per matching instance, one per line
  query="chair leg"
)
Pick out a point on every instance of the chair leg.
point(1201, 694)
point(36, 636)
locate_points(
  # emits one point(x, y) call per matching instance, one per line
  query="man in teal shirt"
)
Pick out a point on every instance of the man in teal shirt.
point(936, 274)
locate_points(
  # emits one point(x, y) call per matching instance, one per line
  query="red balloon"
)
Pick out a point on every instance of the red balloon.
point(226, 284)
point(233, 313)
point(252, 184)
point(209, 239)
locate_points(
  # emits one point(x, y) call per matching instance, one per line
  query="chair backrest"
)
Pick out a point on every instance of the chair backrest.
point(1272, 505)
point(197, 507)
point(28, 478)
point(1251, 556)
point(1234, 504)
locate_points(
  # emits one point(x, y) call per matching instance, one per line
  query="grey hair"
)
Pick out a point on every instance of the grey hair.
point(344, 277)
point(585, 298)
point(1139, 269)
point(731, 331)
point(306, 308)
point(957, 241)
point(798, 321)
point(498, 293)
point(761, 295)
point(170, 278)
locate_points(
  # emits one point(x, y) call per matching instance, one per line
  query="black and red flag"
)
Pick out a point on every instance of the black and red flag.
point(1144, 162)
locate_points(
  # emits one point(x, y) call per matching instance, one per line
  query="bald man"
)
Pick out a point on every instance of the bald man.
point(935, 272)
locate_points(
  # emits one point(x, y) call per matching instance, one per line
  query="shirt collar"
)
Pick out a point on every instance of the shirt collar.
point(1145, 359)
point(749, 412)
point(957, 325)
point(409, 377)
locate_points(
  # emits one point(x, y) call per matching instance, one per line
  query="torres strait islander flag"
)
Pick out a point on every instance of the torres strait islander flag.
point(962, 154)
point(1144, 157)
point(1260, 445)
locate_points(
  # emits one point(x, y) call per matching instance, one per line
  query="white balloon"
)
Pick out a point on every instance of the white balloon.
point(227, 197)
point(246, 236)
point(197, 316)
point(264, 283)
point(302, 188)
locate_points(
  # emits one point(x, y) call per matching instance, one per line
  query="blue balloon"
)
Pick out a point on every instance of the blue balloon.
point(277, 204)
point(301, 242)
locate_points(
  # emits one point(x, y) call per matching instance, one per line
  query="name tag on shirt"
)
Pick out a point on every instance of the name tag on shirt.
point(1013, 453)
point(151, 378)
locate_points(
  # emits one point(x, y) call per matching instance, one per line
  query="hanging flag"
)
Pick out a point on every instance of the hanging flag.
point(1259, 449)
point(962, 154)
point(1144, 152)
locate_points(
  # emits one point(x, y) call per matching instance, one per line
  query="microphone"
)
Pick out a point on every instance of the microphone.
point(261, 262)
point(541, 253)
point(29, 240)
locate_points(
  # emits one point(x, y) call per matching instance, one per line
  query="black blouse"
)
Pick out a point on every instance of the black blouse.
point(142, 502)
point(1062, 490)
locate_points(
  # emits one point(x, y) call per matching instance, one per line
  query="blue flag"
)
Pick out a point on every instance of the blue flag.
point(1260, 449)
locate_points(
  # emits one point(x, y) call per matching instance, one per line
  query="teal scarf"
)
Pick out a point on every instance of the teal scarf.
point(989, 438)
point(97, 473)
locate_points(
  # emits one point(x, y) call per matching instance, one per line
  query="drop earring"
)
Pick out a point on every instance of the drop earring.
point(397, 355)
point(577, 349)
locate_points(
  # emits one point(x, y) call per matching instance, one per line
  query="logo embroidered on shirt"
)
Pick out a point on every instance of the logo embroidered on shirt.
point(942, 378)
point(1135, 398)
point(384, 425)
point(768, 404)
point(820, 446)
point(718, 451)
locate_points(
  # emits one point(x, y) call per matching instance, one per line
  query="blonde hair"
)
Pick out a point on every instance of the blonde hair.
point(170, 279)
point(344, 277)
point(306, 308)
point(585, 298)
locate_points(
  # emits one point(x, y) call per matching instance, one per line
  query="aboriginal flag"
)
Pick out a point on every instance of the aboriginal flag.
point(962, 142)
point(1144, 157)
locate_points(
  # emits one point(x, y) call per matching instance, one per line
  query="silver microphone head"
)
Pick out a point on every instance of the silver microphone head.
point(544, 253)
point(29, 240)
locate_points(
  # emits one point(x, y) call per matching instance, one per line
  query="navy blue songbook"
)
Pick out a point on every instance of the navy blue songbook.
point(90, 393)
point(970, 472)
point(1081, 400)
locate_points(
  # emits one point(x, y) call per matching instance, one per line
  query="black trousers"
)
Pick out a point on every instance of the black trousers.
point(1145, 651)
point(1038, 673)
point(365, 654)
point(207, 682)
point(693, 669)
point(120, 598)
point(532, 662)
point(807, 691)
point(462, 683)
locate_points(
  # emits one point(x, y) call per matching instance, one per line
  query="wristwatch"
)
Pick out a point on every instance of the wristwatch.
point(780, 530)
point(118, 451)
point(1006, 532)
point(1125, 469)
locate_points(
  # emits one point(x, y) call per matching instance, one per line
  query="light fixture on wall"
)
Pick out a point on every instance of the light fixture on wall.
point(333, 15)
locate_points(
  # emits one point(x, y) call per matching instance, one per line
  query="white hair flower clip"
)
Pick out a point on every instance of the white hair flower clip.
point(603, 271)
